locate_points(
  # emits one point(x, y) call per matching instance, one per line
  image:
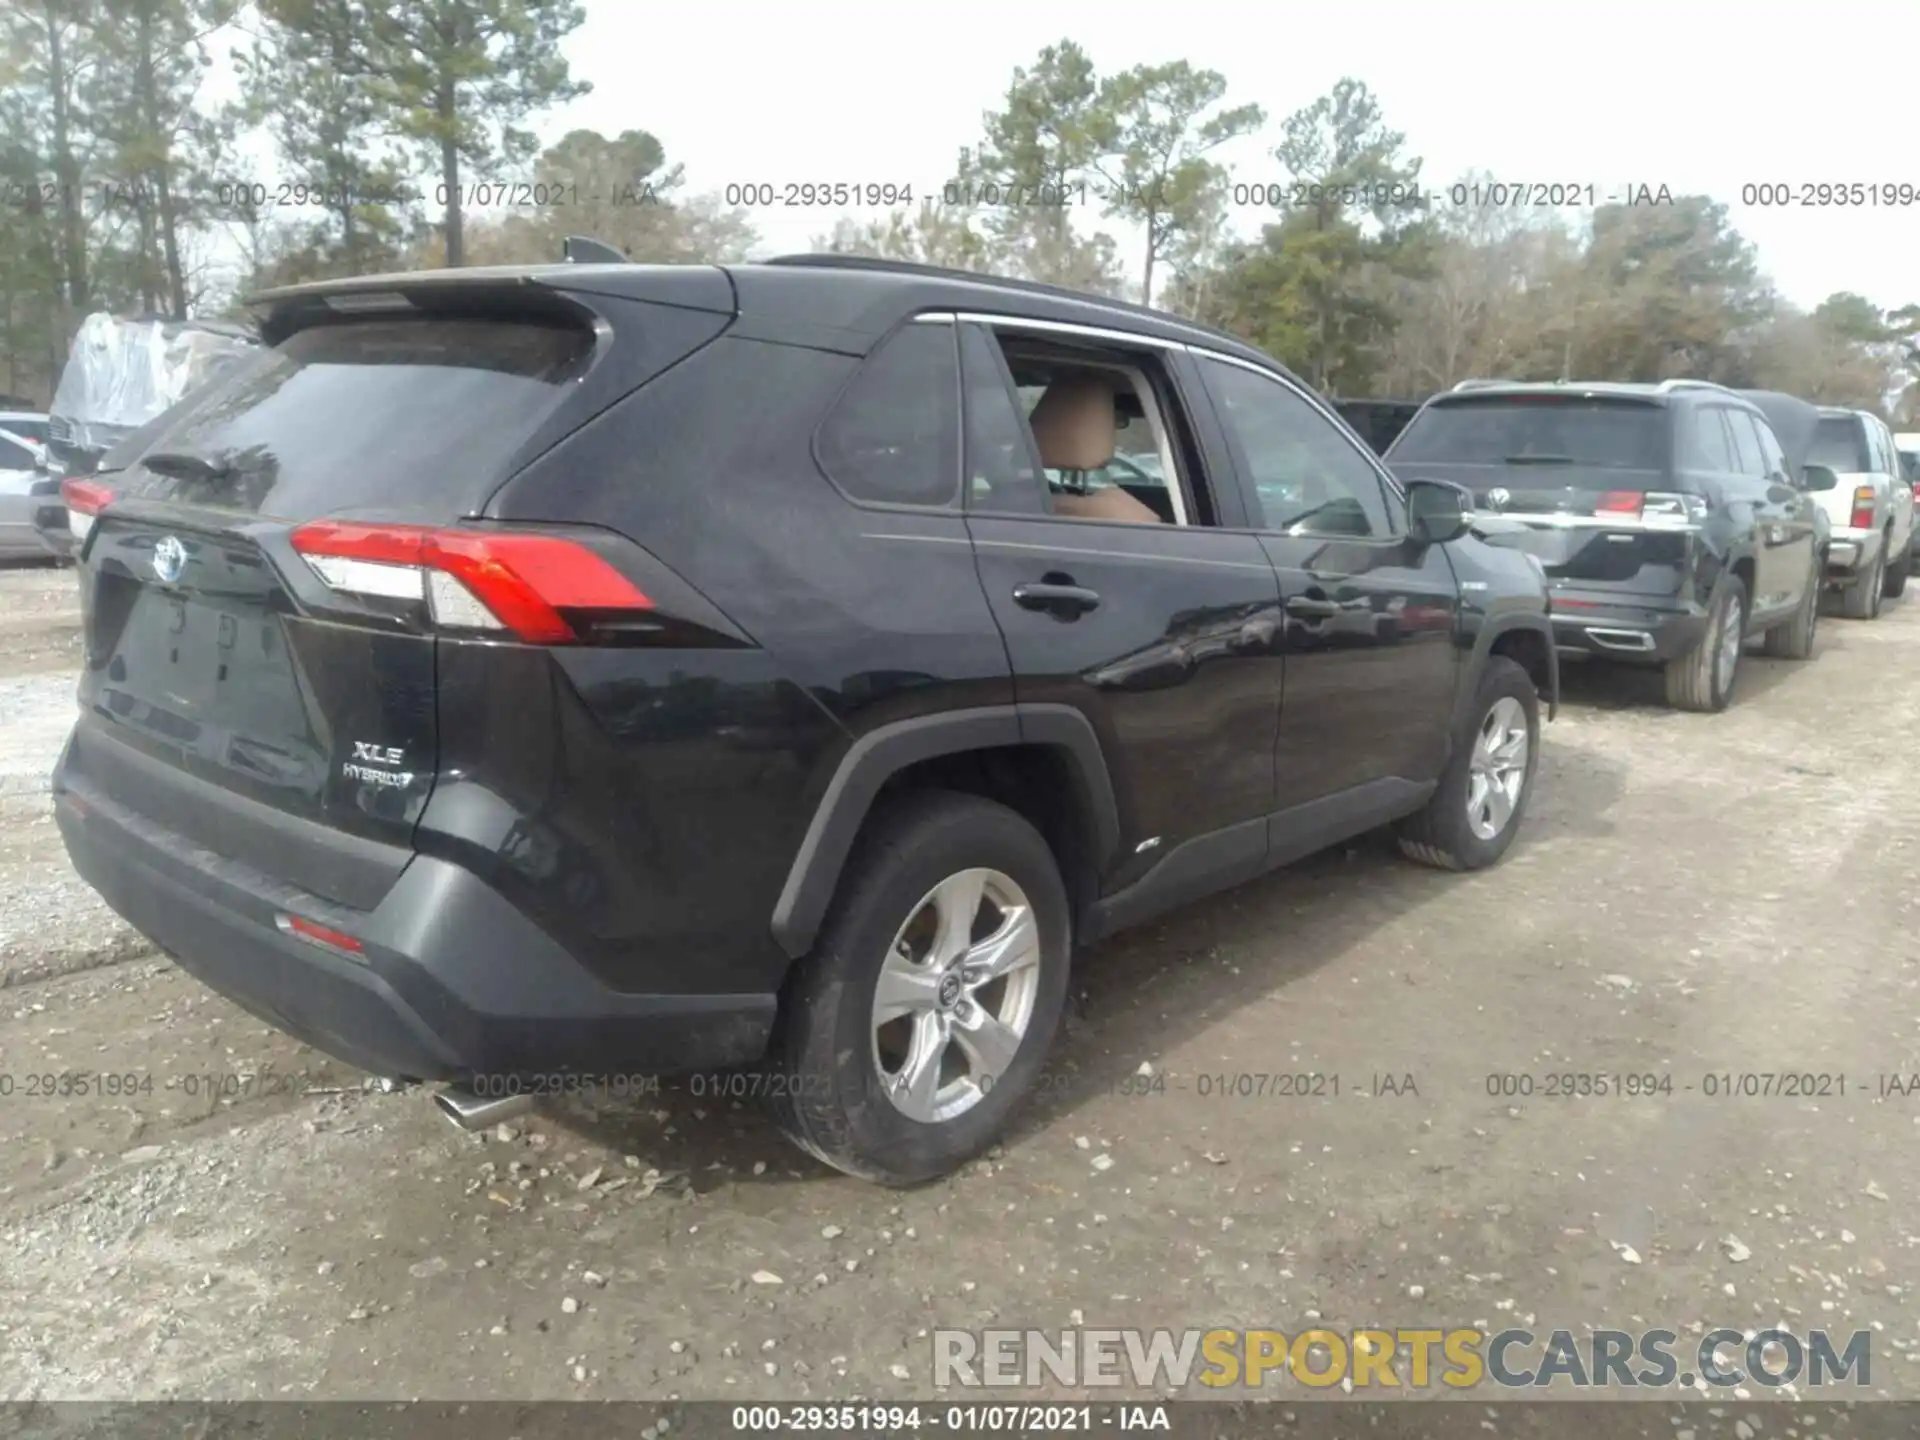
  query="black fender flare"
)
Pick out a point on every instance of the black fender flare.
point(1537, 621)
point(883, 752)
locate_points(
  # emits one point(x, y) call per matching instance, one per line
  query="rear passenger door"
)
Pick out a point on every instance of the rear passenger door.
point(1780, 542)
point(1370, 614)
point(1161, 629)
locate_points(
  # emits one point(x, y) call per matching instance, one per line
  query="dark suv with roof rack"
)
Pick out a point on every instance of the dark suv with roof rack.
point(612, 669)
point(1673, 521)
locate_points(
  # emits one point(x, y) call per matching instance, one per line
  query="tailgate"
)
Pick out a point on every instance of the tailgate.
point(279, 707)
point(199, 659)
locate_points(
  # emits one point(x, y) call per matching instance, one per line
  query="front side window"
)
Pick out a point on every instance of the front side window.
point(893, 437)
point(1310, 478)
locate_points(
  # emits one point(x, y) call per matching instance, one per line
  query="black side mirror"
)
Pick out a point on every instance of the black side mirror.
point(1815, 478)
point(1437, 511)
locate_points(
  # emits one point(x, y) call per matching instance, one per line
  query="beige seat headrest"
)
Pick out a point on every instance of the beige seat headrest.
point(1074, 424)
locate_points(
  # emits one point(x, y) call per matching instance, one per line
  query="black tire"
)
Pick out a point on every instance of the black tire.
point(1793, 639)
point(828, 1094)
point(1442, 834)
point(1861, 599)
point(1694, 681)
point(1897, 573)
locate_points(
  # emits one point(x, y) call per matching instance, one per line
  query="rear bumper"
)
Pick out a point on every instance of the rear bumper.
point(1851, 551)
point(454, 982)
point(1599, 624)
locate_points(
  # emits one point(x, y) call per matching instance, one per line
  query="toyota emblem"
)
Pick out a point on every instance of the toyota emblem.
point(1498, 497)
point(169, 559)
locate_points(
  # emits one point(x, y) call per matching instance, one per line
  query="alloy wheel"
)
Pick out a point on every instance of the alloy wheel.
point(1497, 772)
point(955, 995)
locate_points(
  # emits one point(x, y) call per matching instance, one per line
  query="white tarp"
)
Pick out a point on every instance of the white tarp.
point(122, 373)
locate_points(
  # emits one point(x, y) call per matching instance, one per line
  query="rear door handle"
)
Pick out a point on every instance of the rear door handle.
point(1308, 608)
point(1062, 600)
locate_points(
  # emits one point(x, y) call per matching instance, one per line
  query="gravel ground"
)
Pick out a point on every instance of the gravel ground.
point(1693, 895)
point(51, 922)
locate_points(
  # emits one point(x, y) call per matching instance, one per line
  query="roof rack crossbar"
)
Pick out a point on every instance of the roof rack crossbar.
point(835, 260)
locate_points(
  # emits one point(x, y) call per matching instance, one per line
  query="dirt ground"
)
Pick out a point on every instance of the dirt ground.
point(1692, 896)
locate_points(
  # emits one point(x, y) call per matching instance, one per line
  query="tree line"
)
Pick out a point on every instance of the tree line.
point(125, 186)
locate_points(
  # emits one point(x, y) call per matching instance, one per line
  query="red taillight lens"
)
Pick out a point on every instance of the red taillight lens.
point(84, 499)
point(304, 929)
point(1862, 508)
point(1619, 502)
point(88, 497)
point(473, 579)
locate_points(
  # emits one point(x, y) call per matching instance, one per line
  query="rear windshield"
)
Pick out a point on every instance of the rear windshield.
point(1910, 466)
point(1512, 430)
point(1840, 444)
point(32, 429)
point(376, 416)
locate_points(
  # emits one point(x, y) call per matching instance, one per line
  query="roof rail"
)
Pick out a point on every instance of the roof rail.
point(1481, 384)
point(836, 260)
point(1667, 387)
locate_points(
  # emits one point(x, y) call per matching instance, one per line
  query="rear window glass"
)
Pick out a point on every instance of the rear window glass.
point(1607, 434)
point(1840, 444)
point(894, 436)
point(32, 429)
point(1910, 466)
point(390, 416)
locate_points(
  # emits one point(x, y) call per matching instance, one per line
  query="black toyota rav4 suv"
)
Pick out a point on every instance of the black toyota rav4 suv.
point(1670, 519)
point(614, 670)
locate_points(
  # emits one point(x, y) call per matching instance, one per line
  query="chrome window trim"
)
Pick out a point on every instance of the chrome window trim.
point(1067, 327)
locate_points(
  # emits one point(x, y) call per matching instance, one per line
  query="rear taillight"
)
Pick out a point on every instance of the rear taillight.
point(84, 500)
point(471, 579)
point(1656, 507)
point(1862, 508)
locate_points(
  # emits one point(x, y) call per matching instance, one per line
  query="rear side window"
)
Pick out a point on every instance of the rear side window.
point(1003, 472)
point(1703, 442)
point(1545, 430)
point(417, 416)
point(893, 437)
point(1840, 444)
point(14, 457)
point(1746, 442)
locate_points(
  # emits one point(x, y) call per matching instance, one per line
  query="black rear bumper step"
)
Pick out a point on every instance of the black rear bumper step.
point(454, 984)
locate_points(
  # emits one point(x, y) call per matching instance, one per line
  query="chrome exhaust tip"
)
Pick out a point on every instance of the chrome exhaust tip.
point(1612, 639)
point(475, 1112)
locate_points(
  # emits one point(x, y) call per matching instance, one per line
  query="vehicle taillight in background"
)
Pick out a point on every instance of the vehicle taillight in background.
point(1862, 508)
point(1664, 507)
point(84, 500)
point(520, 583)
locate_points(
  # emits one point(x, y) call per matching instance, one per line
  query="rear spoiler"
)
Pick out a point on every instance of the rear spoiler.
point(580, 250)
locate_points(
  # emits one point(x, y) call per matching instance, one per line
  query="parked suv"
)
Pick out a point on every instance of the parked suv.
point(616, 669)
point(1871, 510)
point(1668, 518)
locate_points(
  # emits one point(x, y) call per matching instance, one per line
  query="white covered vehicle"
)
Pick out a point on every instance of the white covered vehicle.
point(1870, 508)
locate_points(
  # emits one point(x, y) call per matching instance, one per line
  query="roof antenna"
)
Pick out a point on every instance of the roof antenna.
point(579, 250)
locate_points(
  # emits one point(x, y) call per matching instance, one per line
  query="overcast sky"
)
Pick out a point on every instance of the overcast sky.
point(1692, 94)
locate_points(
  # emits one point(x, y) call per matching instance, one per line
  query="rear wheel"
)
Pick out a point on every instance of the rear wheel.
point(1898, 571)
point(1702, 679)
point(1861, 599)
point(1793, 639)
point(1475, 813)
point(927, 1008)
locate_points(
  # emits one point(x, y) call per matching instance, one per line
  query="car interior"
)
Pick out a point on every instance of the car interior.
point(1098, 436)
